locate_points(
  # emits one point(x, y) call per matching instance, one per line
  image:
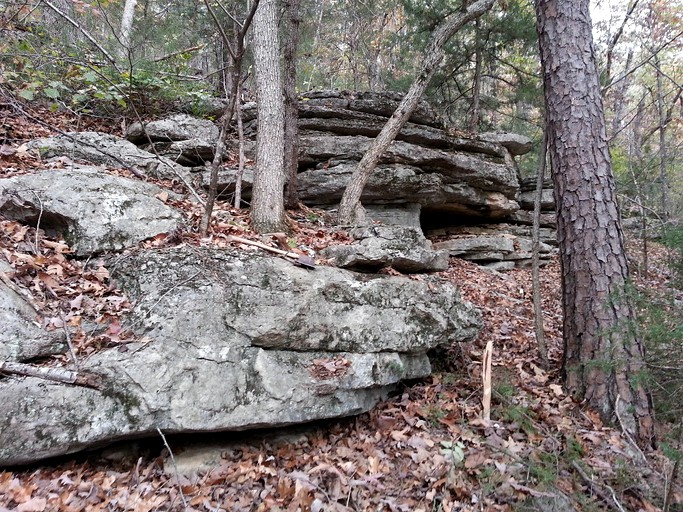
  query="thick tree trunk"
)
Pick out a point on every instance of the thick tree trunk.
point(350, 209)
point(267, 206)
point(291, 105)
point(603, 357)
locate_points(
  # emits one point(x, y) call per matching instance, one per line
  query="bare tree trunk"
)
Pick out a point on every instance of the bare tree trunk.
point(267, 206)
point(350, 209)
point(127, 25)
point(619, 97)
point(603, 355)
point(535, 254)
point(291, 105)
point(663, 175)
point(240, 168)
point(615, 39)
point(233, 79)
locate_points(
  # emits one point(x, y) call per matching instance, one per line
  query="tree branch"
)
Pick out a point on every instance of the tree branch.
point(87, 35)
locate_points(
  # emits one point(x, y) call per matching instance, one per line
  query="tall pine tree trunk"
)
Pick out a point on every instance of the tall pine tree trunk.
point(603, 355)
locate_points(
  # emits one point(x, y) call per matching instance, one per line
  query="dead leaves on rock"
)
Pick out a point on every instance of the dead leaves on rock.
point(68, 295)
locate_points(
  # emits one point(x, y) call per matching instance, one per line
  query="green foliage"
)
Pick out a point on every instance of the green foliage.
point(51, 62)
point(573, 449)
point(453, 451)
point(660, 323)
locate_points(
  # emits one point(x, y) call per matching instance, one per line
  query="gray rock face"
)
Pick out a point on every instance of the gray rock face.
point(188, 153)
point(236, 341)
point(176, 127)
point(93, 211)
point(376, 103)
point(182, 138)
point(526, 199)
point(103, 149)
point(516, 144)
point(20, 336)
point(482, 171)
point(341, 121)
point(491, 244)
point(403, 248)
point(406, 214)
point(404, 184)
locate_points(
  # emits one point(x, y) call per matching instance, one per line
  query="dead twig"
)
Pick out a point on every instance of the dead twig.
point(175, 467)
point(62, 375)
point(609, 499)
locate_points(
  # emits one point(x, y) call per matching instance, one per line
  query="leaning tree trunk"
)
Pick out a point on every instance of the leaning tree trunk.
point(350, 209)
point(603, 356)
point(267, 205)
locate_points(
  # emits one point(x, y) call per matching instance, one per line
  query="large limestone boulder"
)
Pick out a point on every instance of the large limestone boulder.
point(237, 340)
point(108, 150)
point(93, 211)
point(482, 170)
point(400, 184)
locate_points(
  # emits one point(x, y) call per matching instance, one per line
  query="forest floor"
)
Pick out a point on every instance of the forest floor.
point(426, 448)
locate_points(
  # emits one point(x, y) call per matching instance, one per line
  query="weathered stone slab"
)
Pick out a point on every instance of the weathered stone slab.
point(108, 150)
point(481, 171)
point(94, 211)
point(237, 340)
point(515, 143)
point(21, 337)
point(400, 247)
point(174, 128)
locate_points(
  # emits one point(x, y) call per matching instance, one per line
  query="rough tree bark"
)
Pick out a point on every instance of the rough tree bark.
point(603, 356)
point(267, 206)
point(350, 209)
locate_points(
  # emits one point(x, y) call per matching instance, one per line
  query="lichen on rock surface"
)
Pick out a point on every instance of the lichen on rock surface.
point(234, 340)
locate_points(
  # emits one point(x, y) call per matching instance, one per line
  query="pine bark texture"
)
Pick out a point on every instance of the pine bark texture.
point(603, 356)
point(267, 206)
point(350, 209)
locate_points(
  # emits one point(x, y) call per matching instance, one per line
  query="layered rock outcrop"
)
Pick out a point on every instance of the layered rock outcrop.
point(428, 179)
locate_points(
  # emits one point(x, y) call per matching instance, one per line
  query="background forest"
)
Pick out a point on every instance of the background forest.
point(123, 59)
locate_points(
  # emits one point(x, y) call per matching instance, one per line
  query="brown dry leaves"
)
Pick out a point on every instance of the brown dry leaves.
point(425, 449)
